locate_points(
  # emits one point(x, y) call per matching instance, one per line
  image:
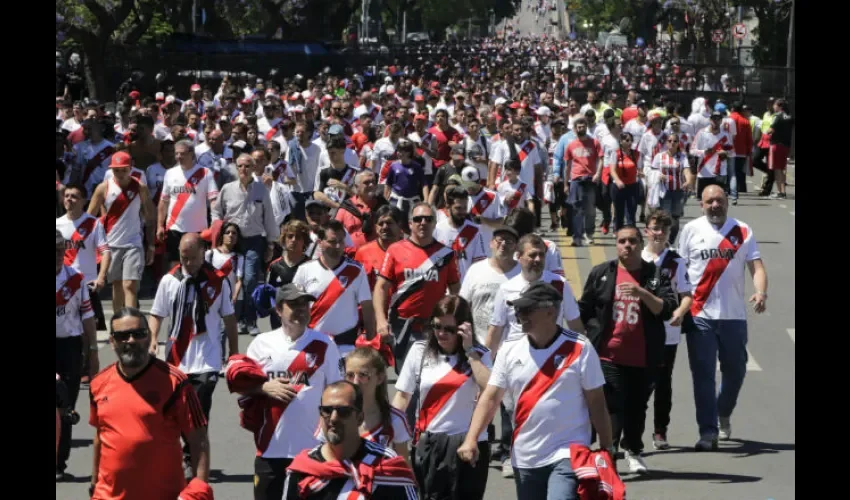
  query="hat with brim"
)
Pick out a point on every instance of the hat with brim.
point(507, 230)
point(291, 292)
point(537, 293)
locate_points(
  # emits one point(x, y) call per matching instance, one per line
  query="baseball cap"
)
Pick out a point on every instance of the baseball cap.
point(60, 240)
point(720, 107)
point(120, 160)
point(315, 203)
point(336, 129)
point(420, 116)
point(160, 96)
point(195, 88)
point(240, 144)
point(716, 114)
point(458, 150)
point(506, 229)
point(291, 291)
point(469, 177)
point(544, 111)
point(536, 293)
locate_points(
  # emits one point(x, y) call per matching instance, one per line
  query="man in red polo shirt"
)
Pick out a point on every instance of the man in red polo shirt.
point(583, 171)
point(356, 213)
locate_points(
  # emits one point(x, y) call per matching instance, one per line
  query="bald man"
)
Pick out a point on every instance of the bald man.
point(717, 249)
point(369, 108)
point(216, 156)
point(195, 344)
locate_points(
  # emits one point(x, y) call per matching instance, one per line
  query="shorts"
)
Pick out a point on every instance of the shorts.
point(777, 158)
point(127, 264)
point(172, 245)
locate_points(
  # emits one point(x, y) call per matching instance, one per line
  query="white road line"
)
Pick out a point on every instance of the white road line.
point(792, 333)
point(752, 364)
point(793, 213)
point(783, 206)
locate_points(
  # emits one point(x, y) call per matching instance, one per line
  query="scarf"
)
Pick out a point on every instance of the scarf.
point(195, 309)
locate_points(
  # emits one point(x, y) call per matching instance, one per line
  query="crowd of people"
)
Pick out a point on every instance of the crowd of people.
point(396, 224)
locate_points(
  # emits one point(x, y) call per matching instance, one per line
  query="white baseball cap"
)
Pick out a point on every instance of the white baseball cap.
point(544, 111)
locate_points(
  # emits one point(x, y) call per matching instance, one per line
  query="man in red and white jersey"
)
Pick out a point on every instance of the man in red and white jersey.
point(198, 300)
point(92, 158)
point(458, 233)
point(85, 240)
point(417, 270)
point(384, 152)
point(717, 250)
point(340, 286)
point(532, 254)
point(519, 147)
point(369, 108)
point(711, 149)
point(124, 201)
point(182, 208)
point(75, 338)
point(299, 362)
point(388, 221)
point(485, 206)
point(553, 381)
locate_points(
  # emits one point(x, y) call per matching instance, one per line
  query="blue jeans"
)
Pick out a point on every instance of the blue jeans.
point(625, 203)
point(255, 250)
point(552, 482)
point(710, 338)
point(583, 198)
point(736, 175)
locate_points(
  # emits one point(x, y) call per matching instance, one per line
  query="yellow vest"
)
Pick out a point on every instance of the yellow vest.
point(766, 121)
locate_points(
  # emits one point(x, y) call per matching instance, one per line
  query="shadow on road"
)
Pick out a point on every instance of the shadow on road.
point(744, 448)
point(81, 443)
point(656, 475)
point(217, 476)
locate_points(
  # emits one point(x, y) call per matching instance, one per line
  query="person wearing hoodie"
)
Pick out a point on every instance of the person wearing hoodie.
point(700, 113)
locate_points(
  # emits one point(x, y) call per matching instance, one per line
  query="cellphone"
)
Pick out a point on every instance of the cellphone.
point(269, 170)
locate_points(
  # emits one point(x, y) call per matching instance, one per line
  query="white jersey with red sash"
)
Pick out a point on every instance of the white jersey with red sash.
point(123, 222)
point(311, 362)
point(373, 112)
point(447, 389)
point(706, 147)
point(717, 266)
point(544, 389)
point(423, 147)
point(230, 266)
point(92, 163)
point(398, 431)
point(513, 195)
point(72, 303)
point(487, 204)
point(672, 168)
point(282, 172)
point(338, 292)
point(84, 241)
point(274, 132)
point(187, 193)
point(466, 241)
point(528, 158)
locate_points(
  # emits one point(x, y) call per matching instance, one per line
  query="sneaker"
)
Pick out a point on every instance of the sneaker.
point(241, 327)
point(604, 228)
point(253, 330)
point(735, 202)
point(61, 476)
point(778, 196)
point(659, 441)
point(636, 463)
point(706, 443)
point(507, 470)
point(587, 241)
point(725, 429)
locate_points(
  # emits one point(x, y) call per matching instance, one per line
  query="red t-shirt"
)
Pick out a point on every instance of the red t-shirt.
point(371, 257)
point(585, 155)
point(405, 263)
point(443, 149)
point(353, 224)
point(627, 167)
point(626, 345)
point(139, 422)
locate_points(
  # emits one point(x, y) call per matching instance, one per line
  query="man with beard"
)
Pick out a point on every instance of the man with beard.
point(197, 298)
point(357, 213)
point(717, 249)
point(328, 471)
point(624, 305)
point(139, 408)
point(459, 233)
point(388, 223)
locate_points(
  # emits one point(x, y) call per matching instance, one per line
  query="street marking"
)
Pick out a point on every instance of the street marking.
point(597, 255)
point(752, 364)
point(783, 205)
point(792, 333)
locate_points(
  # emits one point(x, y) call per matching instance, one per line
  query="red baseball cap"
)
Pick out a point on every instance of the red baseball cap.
point(195, 88)
point(419, 98)
point(420, 117)
point(120, 160)
point(135, 95)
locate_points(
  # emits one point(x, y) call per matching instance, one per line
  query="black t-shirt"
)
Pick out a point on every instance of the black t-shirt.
point(334, 488)
point(280, 273)
point(326, 174)
point(440, 179)
point(783, 124)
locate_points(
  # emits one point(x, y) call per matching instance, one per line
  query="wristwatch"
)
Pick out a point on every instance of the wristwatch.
point(470, 351)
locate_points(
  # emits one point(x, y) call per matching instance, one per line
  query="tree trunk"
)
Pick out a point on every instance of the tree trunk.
point(94, 68)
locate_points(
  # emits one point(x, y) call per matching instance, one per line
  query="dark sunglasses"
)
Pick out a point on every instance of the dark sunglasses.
point(124, 335)
point(342, 411)
point(446, 328)
point(422, 218)
point(524, 311)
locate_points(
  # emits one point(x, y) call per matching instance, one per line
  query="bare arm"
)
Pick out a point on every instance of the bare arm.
point(480, 372)
point(95, 457)
point(759, 274)
point(401, 400)
point(380, 298)
point(155, 324)
point(599, 416)
point(232, 334)
point(90, 339)
point(576, 325)
point(162, 213)
point(199, 449)
point(321, 196)
point(97, 200)
point(494, 338)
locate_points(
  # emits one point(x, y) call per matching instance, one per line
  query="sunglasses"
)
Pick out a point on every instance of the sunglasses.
point(446, 328)
point(419, 219)
point(342, 411)
point(124, 335)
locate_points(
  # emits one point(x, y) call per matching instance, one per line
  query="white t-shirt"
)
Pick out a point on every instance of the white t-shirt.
point(92, 242)
point(401, 431)
point(508, 194)
point(306, 177)
point(192, 216)
point(679, 282)
point(126, 230)
point(465, 240)
point(72, 304)
point(554, 264)
point(203, 354)
point(552, 417)
point(311, 362)
point(454, 415)
point(717, 265)
point(218, 259)
point(479, 288)
point(503, 314)
point(338, 293)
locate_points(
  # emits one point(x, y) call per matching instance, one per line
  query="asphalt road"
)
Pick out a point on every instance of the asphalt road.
point(758, 463)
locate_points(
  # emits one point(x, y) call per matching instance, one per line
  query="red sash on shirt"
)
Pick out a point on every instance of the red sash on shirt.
point(720, 145)
point(514, 200)
point(483, 203)
point(211, 288)
point(525, 151)
point(68, 289)
point(463, 239)
point(438, 396)
point(182, 198)
point(120, 204)
point(566, 354)
point(271, 133)
point(385, 168)
point(96, 160)
point(344, 275)
point(374, 113)
point(227, 268)
point(715, 267)
point(80, 234)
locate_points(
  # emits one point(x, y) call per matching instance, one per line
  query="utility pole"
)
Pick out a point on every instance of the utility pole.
point(790, 37)
point(404, 26)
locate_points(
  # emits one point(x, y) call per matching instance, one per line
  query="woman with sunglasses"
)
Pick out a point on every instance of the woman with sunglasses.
point(675, 178)
point(225, 257)
point(625, 189)
point(448, 369)
point(382, 423)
